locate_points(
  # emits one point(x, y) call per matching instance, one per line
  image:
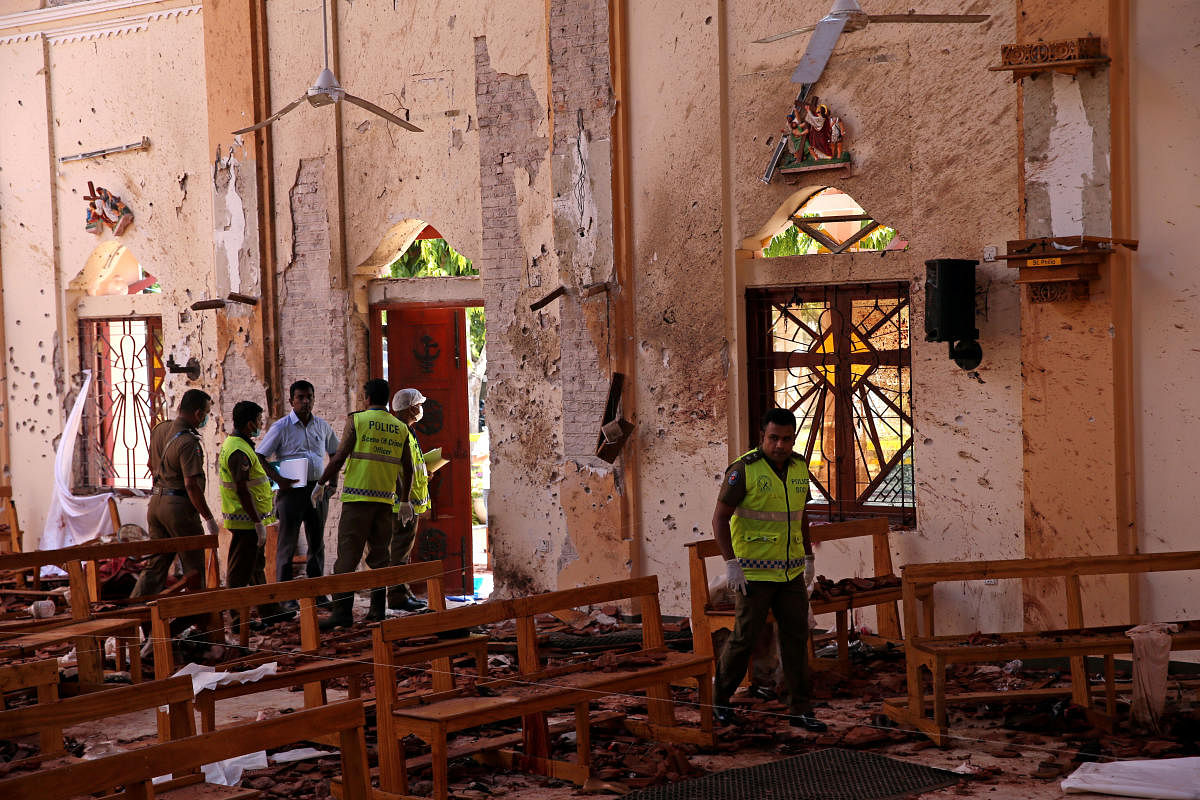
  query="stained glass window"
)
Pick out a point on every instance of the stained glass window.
point(839, 358)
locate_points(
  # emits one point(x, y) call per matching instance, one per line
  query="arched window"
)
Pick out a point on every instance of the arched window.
point(828, 221)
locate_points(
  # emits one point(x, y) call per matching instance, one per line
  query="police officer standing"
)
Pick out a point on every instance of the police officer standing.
point(246, 504)
point(762, 529)
point(408, 405)
point(379, 470)
point(177, 501)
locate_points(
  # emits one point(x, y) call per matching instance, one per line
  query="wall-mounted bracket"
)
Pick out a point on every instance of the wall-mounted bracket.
point(191, 368)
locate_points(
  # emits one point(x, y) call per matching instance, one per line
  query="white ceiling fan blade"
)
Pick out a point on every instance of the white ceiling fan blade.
point(777, 36)
point(820, 48)
point(374, 109)
point(928, 17)
point(273, 117)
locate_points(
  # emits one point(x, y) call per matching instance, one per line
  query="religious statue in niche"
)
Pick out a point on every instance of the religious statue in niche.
point(106, 208)
point(814, 138)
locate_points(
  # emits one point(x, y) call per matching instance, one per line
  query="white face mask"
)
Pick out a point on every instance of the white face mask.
point(419, 415)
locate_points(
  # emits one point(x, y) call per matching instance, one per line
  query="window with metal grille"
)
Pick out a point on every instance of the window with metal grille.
point(839, 358)
point(125, 357)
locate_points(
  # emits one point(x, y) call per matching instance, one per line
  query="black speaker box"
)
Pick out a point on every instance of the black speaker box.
point(950, 300)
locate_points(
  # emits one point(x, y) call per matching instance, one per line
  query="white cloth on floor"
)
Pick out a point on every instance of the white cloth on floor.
point(1163, 779)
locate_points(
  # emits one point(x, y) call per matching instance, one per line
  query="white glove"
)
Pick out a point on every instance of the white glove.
point(735, 579)
point(405, 513)
point(319, 493)
point(211, 526)
point(810, 573)
point(261, 530)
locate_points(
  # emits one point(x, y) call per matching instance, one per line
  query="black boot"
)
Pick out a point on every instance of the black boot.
point(343, 612)
point(378, 600)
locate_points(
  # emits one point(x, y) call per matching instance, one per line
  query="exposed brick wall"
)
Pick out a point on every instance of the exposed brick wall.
point(312, 318)
point(581, 94)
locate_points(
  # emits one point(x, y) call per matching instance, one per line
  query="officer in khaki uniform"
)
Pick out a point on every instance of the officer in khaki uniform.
point(247, 506)
point(761, 527)
point(177, 501)
point(408, 405)
point(379, 470)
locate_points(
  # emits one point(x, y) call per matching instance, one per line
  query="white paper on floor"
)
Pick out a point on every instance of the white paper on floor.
point(229, 771)
point(300, 754)
point(1162, 779)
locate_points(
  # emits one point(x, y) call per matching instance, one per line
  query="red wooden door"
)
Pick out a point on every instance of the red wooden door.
point(425, 349)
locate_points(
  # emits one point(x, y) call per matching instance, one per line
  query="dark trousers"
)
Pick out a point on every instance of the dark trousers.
point(403, 537)
point(362, 525)
point(789, 603)
point(170, 516)
point(247, 566)
point(294, 508)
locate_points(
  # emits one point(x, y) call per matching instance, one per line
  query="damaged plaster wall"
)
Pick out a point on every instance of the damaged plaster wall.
point(933, 158)
point(65, 105)
point(680, 339)
point(1165, 117)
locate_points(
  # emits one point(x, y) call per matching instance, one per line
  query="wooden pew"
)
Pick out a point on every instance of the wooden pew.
point(82, 563)
point(134, 770)
point(314, 673)
point(926, 650)
point(10, 528)
point(706, 618)
point(537, 691)
point(49, 719)
point(42, 677)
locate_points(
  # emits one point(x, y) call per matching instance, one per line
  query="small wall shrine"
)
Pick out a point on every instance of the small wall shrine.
point(106, 209)
point(814, 139)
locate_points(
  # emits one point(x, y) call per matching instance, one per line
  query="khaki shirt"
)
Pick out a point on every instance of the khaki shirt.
point(175, 454)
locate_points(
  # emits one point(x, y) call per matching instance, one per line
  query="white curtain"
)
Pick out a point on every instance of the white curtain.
point(73, 520)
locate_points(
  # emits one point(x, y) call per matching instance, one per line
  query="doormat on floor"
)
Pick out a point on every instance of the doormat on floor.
point(832, 774)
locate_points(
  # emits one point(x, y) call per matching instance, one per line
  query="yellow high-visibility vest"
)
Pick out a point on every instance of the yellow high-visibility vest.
point(766, 524)
point(372, 468)
point(235, 516)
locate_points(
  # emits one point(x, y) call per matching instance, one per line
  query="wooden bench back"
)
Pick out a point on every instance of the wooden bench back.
point(524, 610)
point(173, 692)
point(8, 517)
point(1050, 567)
point(303, 590)
point(40, 675)
point(1069, 568)
point(136, 768)
point(82, 562)
point(874, 527)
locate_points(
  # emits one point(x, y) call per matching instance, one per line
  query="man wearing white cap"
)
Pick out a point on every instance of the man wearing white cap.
point(408, 406)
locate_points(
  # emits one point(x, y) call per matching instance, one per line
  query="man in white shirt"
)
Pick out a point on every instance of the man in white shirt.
point(301, 434)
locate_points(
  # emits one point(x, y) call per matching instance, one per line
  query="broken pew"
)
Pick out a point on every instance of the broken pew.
point(40, 676)
point(313, 672)
point(929, 651)
point(136, 769)
point(536, 691)
point(707, 618)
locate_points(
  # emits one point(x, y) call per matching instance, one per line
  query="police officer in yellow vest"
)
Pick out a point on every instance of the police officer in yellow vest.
point(409, 406)
point(247, 503)
point(379, 470)
point(762, 529)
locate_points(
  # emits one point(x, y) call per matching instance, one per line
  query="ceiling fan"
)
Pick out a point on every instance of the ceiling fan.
point(847, 16)
point(327, 90)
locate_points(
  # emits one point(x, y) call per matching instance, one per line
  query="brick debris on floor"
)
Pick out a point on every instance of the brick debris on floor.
point(1028, 743)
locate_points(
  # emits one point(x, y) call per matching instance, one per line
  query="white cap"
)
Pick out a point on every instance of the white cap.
point(406, 398)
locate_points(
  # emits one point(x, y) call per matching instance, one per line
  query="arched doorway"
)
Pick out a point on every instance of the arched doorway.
point(426, 330)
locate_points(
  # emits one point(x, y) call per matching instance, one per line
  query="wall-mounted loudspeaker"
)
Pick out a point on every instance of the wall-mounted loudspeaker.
point(950, 308)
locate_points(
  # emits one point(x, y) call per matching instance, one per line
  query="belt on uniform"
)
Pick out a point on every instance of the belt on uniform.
point(159, 490)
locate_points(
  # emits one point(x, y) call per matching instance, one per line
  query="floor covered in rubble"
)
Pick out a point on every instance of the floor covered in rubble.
point(1021, 751)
